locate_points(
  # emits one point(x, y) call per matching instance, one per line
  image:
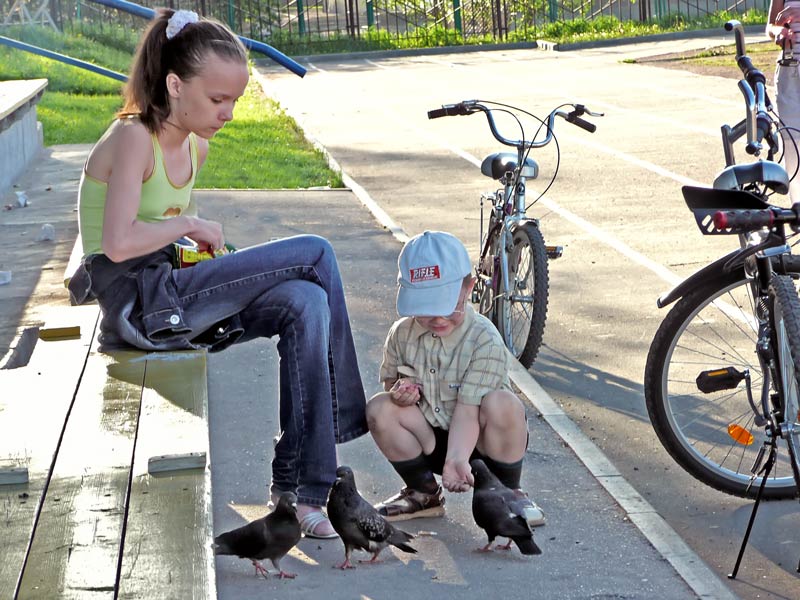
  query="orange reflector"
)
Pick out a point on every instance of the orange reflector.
point(740, 435)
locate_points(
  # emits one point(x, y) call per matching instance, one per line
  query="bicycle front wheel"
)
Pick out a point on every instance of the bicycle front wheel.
point(785, 312)
point(520, 318)
point(713, 327)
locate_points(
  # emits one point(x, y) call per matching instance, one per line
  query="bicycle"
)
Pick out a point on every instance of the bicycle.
point(512, 286)
point(722, 380)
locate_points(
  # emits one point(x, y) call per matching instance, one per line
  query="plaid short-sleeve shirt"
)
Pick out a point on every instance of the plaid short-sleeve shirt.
point(462, 367)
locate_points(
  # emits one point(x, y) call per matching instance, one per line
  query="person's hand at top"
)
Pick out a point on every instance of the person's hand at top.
point(405, 392)
point(787, 15)
point(780, 27)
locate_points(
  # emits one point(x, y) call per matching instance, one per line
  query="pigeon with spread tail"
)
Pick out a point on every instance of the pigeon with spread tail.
point(358, 523)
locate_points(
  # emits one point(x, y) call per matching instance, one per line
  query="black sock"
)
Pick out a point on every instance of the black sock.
point(508, 473)
point(416, 474)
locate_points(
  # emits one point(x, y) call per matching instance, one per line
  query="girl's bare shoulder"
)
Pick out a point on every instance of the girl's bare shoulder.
point(125, 139)
point(202, 150)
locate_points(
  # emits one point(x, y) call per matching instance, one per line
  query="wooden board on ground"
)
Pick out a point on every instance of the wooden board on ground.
point(75, 549)
point(167, 544)
point(34, 405)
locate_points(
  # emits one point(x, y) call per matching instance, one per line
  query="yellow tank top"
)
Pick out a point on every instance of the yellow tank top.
point(161, 199)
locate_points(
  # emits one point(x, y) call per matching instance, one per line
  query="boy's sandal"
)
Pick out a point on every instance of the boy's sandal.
point(311, 521)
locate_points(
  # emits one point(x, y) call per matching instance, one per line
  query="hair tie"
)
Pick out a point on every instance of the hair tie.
point(179, 20)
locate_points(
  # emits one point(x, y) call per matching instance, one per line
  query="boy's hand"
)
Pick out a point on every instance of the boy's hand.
point(405, 392)
point(457, 476)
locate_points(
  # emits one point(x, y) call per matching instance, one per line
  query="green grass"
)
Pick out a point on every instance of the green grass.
point(261, 148)
point(268, 149)
point(603, 28)
point(562, 32)
point(75, 118)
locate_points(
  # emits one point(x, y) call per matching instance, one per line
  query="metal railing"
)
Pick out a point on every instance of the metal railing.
point(310, 25)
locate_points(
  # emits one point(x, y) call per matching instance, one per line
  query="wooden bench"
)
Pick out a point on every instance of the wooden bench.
point(105, 460)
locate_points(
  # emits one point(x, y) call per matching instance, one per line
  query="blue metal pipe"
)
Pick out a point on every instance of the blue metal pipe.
point(62, 58)
point(276, 55)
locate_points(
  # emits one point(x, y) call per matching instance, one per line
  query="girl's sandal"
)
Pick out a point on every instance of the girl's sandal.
point(310, 523)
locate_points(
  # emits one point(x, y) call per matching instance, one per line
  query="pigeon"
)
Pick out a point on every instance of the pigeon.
point(269, 537)
point(358, 524)
point(498, 511)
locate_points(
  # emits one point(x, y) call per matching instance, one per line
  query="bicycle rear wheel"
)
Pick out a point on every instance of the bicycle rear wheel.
point(713, 327)
point(785, 314)
point(521, 318)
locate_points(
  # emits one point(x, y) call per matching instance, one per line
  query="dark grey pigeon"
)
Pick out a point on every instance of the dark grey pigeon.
point(358, 523)
point(499, 511)
point(269, 537)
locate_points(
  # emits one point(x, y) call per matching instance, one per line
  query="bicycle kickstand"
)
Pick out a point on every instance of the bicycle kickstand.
point(773, 451)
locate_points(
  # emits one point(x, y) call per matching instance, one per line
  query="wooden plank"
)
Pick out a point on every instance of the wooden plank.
point(167, 552)
point(75, 548)
point(13, 475)
point(173, 462)
point(34, 403)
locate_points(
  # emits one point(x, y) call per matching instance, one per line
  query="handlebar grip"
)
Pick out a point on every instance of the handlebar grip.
point(583, 124)
point(743, 220)
point(437, 112)
point(452, 110)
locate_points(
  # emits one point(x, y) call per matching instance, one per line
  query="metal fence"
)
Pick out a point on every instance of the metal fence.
point(294, 25)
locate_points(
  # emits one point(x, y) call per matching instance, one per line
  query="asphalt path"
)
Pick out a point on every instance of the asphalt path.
point(616, 209)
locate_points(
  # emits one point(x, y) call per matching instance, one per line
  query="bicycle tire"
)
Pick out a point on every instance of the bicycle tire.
point(714, 326)
point(785, 316)
point(487, 276)
point(521, 319)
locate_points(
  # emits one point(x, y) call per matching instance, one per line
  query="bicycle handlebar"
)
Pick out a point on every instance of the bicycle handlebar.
point(743, 221)
point(468, 107)
point(759, 125)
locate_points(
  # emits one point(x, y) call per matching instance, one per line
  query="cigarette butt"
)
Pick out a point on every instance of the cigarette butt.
point(427, 533)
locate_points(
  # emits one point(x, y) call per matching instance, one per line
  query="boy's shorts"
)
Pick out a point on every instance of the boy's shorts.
point(436, 458)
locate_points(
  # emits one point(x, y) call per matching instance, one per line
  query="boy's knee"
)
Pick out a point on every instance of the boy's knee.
point(379, 409)
point(501, 408)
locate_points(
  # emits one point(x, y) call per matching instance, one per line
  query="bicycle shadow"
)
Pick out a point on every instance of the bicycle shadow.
point(559, 374)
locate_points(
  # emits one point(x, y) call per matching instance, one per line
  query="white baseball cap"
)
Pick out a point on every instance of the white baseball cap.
point(432, 266)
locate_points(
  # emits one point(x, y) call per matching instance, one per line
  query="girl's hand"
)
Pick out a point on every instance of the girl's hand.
point(207, 234)
point(405, 392)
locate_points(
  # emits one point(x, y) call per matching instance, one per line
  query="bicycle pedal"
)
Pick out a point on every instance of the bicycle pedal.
point(716, 380)
point(554, 251)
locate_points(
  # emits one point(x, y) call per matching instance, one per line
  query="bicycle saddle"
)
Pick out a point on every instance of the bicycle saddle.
point(767, 172)
point(498, 164)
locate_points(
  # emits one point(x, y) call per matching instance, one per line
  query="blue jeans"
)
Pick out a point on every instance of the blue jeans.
point(290, 288)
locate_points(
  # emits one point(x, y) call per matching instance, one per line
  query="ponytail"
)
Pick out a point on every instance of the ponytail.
point(145, 94)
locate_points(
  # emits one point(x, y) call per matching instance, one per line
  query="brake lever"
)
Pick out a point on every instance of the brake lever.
point(581, 109)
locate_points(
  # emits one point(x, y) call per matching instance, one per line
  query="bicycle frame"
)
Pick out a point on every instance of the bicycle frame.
point(512, 272)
